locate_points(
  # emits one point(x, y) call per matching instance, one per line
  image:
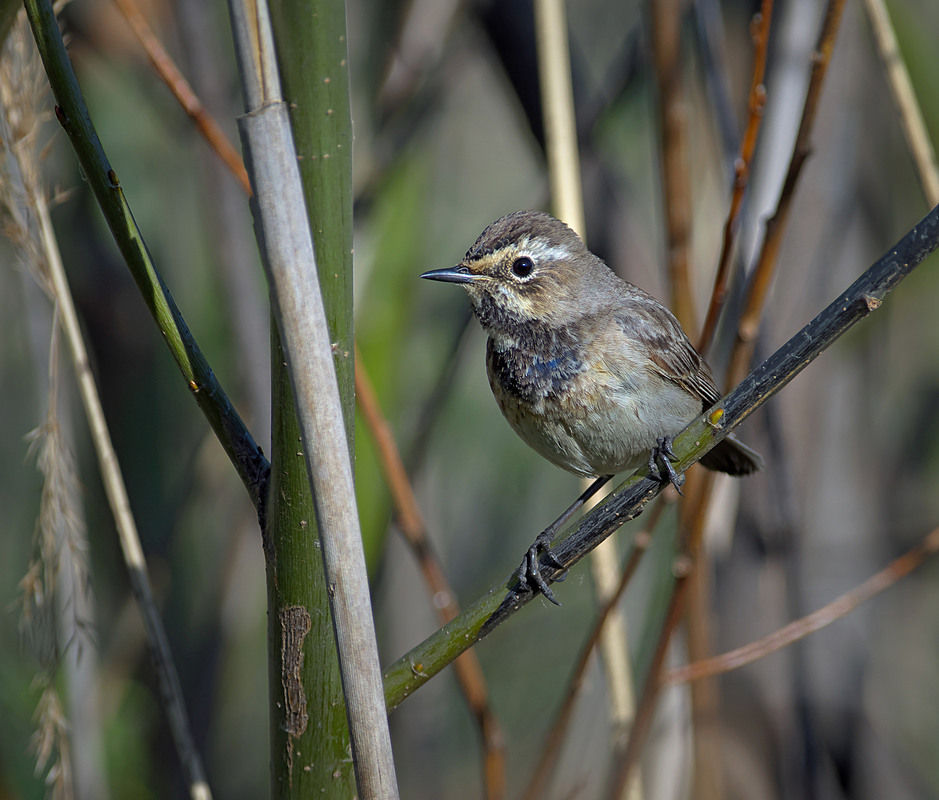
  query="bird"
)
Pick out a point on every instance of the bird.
point(592, 372)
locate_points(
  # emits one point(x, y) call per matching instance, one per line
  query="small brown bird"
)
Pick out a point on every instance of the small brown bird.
point(591, 371)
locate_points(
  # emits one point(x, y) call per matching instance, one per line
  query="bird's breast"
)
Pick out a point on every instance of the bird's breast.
point(532, 378)
point(579, 410)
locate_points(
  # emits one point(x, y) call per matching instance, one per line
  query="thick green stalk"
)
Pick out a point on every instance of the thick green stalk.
point(313, 61)
point(309, 736)
point(311, 51)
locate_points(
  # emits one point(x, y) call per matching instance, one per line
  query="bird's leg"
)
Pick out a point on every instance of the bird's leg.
point(662, 452)
point(529, 573)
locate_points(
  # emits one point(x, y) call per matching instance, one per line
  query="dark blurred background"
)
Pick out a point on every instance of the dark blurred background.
point(448, 136)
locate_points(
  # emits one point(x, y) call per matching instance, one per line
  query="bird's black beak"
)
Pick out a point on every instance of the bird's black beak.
point(451, 275)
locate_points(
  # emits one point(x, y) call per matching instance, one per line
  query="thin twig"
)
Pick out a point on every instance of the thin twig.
point(800, 628)
point(766, 263)
point(707, 773)
point(707, 770)
point(468, 670)
point(166, 68)
point(901, 87)
point(694, 512)
point(759, 31)
point(676, 190)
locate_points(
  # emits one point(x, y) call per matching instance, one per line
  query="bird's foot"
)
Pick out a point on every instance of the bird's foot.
point(662, 453)
point(529, 573)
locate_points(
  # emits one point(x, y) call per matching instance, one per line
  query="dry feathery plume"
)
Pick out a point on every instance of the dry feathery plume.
point(22, 90)
point(253, 466)
point(52, 737)
point(55, 589)
point(59, 539)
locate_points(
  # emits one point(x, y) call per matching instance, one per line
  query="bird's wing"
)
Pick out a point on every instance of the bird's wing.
point(670, 353)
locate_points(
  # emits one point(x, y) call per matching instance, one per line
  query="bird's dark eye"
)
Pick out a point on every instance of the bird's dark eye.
point(523, 266)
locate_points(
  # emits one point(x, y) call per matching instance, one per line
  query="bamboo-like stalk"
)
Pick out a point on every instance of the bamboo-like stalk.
point(295, 573)
point(313, 62)
point(312, 55)
point(306, 709)
point(287, 249)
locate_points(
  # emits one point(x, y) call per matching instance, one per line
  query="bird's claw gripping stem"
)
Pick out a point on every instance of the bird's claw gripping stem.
point(529, 573)
point(662, 453)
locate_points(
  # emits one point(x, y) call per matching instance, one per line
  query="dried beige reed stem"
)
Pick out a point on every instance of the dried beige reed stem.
point(29, 226)
point(54, 592)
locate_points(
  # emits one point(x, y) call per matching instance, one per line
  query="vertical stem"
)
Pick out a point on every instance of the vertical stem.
point(313, 67)
point(312, 57)
point(554, 71)
point(673, 117)
point(554, 68)
point(284, 237)
point(765, 268)
point(307, 713)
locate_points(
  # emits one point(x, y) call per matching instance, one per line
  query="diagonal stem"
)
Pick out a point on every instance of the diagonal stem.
point(72, 113)
point(865, 295)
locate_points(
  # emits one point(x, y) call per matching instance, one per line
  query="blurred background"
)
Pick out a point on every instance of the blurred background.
point(448, 136)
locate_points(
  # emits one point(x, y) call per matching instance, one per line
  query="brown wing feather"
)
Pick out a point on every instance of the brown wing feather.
point(672, 355)
point(675, 359)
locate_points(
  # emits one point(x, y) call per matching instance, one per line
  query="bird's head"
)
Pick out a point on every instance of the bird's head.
point(529, 267)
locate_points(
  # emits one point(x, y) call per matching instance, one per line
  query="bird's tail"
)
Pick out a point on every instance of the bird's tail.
point(733, 457)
